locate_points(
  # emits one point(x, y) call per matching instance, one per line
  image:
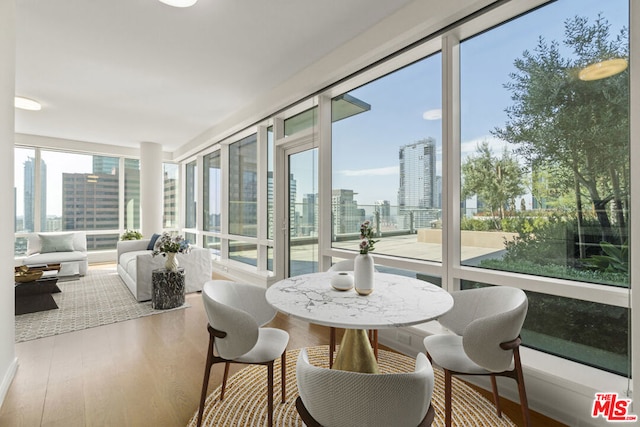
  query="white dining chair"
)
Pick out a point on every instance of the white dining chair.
point(236, 313)
point(334, 398)
point(485, 340)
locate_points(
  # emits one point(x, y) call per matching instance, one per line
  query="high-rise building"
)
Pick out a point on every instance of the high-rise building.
point(383, 207)
point(346, 215)
point(29, 194)
point(90, 202)
point(418, 175)
point(417, 193)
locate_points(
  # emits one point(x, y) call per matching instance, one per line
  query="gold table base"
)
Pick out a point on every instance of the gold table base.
point(355, 353)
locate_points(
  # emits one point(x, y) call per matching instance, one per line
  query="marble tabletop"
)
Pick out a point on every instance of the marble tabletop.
point(395, 302)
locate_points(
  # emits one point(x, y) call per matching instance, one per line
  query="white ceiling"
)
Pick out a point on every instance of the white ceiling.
point(125, 71)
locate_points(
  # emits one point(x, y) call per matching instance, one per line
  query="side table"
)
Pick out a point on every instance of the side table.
point(167, 288)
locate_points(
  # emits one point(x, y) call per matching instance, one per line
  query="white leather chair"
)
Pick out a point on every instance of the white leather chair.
point(333, 398)
point(347, 265)
point(486, 324)
point(236, 313)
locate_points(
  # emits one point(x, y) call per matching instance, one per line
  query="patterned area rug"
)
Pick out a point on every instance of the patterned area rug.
point(97, 299)
point(245, 402)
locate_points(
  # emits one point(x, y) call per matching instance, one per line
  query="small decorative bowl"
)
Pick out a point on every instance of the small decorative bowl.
point(27, 276)
point(342, 281)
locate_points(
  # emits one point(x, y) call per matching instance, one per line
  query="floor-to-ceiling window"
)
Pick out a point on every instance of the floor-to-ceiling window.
point(243, 199)
point(170, 195)
point(212, 202)
point(545, 168)
point(387, 162)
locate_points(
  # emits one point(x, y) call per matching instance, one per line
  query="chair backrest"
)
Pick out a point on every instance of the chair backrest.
point(238, 309)
point(344, 265)
point(339, 398)
point(487, 317)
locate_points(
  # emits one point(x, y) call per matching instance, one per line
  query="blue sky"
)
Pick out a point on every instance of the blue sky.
point(404, 104)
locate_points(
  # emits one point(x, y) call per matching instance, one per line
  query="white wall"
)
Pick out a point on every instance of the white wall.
point(8, 361)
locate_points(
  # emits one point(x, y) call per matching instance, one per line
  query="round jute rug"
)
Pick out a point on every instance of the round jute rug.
point(245, 402)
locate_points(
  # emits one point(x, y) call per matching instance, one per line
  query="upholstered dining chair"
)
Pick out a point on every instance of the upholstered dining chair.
point(486, 324)
point(236, 314)
point(347, 265)
point(334, 398)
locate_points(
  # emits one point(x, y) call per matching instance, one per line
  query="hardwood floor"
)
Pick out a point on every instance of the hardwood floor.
point(142, 372)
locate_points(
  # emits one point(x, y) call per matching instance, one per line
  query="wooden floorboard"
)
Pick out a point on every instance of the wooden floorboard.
point(142, 372)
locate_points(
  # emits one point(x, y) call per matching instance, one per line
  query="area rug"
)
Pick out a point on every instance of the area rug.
point(245, 402)
point(97, 299)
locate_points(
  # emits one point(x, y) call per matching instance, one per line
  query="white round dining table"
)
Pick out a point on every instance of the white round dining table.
point(396, 301)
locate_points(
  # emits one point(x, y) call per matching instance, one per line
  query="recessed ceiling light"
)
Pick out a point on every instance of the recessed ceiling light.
point(603, 69)
point(179, 3)
point(27, 104)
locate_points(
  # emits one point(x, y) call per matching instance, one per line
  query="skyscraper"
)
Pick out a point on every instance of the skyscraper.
point(417, 193)
point(418, 175)
point(29, 194)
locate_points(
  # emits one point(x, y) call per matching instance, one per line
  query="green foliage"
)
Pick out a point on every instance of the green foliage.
point(475, 224)
point(497, 181)
point(131, 235)
point(614, 260)
point(574, 133)
point(541, 240)
point(558, 271)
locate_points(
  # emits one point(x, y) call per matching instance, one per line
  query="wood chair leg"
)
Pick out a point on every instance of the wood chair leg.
point(496, 396)
point(224, 379)
point(524, 404)
point(205, 381)
point(447, 398)
point(270, 394)
point(283, 375)
point(332, 345)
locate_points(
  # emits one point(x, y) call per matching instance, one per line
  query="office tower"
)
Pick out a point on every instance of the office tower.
point(107, 165)
point(417, 197)
point(90, 202)
point(29, 195)
point(346, 215)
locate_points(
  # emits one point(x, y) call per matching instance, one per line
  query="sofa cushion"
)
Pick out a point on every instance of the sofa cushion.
point(55, 257)
point(56, 242)
point(152, 242)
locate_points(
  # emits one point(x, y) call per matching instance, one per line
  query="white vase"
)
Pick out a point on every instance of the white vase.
point(171, 263)
point(363, 274)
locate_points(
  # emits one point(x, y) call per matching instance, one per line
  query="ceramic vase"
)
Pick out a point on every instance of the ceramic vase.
point(171, 263)
point(342, 281)
point(363, 274)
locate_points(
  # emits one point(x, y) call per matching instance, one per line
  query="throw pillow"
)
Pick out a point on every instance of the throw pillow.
point(152, 242)
point(56, 242)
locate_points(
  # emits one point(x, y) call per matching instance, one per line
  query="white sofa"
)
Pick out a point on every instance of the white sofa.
point(69, 248)
point(136, 262)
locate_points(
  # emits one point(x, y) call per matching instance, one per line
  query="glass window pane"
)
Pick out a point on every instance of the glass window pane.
point(170, 216)
point(270, 201)
point(243, 187)
point(24, 179)
point(387, 162)
point(132, 194)
point(586, 332)
point(545, 151)
point(303, 212)
point(302, 121)
point(243, 252)
point(212, 189)
point(213, 244)
point(190, 197)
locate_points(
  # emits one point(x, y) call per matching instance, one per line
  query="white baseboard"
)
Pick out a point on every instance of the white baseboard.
point(8, 379)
